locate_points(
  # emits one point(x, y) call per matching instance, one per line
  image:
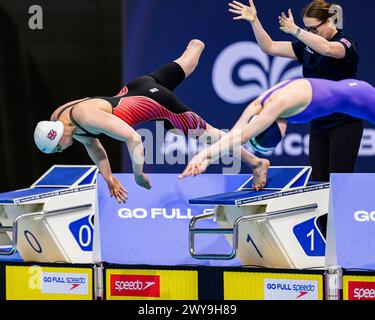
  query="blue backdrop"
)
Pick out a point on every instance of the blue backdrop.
point(153, 226)
point(351, 220)
point(232, 69)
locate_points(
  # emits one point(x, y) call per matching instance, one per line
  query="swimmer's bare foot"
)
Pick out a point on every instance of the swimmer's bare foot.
point(190, 58)
point(197, 44)
point(260, 174)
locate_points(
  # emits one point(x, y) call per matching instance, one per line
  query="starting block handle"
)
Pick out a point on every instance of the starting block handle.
point(213, 231)
point(5, 229)
point(11, 250)
point(193, 231)
point(235, 230)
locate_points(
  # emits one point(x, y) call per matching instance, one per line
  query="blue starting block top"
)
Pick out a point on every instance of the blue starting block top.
point(279, 179)
point(232, 198)
point(62, 176)
point(26, 194)
point(56, 181)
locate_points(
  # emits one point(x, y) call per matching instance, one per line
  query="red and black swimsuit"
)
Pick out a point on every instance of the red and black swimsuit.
point(150, 98)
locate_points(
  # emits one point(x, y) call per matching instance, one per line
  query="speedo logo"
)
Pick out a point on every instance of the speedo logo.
point(285, 289)
point(364, 216)
point(135, 285)
point(65, 283)
point(361, 290)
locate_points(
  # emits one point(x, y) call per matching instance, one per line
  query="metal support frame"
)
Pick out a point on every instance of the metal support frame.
point(14, 228)
point(233, 231)
point(99, 281)
point(333, 283)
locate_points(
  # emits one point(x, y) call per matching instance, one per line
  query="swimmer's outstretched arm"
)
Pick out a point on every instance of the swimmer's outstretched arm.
point(102, 122)
point(240, 133)
point(99, 156)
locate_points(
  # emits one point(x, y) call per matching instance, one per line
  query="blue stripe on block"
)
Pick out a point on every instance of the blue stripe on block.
point(278, 178)
point(230, 198)
point(8, 197)
point(301, 181)
point(63, 176)
point(88, 179)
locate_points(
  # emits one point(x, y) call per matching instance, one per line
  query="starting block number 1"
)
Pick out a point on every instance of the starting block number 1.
point(310, 238)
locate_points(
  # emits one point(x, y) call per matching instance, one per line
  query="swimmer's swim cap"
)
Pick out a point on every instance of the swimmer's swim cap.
point(47, 135)
point(268, 139)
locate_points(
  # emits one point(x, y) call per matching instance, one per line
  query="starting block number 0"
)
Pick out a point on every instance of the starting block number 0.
point(83, 233)
point(85, 236)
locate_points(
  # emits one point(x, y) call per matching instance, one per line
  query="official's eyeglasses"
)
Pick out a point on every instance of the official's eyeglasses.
point(314, 29)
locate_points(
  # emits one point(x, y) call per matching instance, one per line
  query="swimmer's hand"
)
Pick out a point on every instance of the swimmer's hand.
point(287, 23)
point(116, 190)
point(248, 13)
point(142, 180)
point(196, 166)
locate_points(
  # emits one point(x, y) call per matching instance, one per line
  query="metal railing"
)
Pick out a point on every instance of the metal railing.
point(42, 214)
point(232, 231)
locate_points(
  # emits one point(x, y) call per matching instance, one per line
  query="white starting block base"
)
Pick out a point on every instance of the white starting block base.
point(278, 227)
point(52, 221)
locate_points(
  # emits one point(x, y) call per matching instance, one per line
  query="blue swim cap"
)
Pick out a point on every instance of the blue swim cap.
point(268, 139)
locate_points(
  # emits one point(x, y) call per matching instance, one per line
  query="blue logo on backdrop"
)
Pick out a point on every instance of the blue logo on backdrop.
point(83, 233)
point(310, 238)
point(245, 62)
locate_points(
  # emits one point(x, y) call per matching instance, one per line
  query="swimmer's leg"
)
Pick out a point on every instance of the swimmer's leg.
point(258, 166)
point(188, 61)
point(172, 74)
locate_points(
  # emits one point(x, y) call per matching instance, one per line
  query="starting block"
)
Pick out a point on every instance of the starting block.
point(281, 226)
point(52, 221)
